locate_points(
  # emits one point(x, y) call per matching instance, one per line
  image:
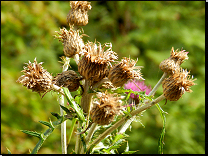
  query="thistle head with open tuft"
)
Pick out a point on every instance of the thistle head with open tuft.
point(176, 84)
point(95, 61)
point(72, 41)
point(105, 108)
point(172, 64)
point(35, 77)
point(123, 71)
point(78, 13)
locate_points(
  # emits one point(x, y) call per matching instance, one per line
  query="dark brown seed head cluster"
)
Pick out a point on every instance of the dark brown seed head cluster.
point(72, 41)
point(106, 106)
point(95, 61)
point(78, 13)
point(176, 84)
point(68, 79)
point(172, 64)
point(121, 72)
point(35, 77)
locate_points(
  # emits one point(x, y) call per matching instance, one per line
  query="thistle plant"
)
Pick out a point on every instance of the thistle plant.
point(113, 93)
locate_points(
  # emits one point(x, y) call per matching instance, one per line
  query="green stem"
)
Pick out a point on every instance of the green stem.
point(78, 142)
point(158, 84)
point(61, 102)
point(71, 130)
point(63, 128)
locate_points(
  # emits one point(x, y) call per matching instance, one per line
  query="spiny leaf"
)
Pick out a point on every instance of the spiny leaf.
point(65, 109)
point(49, 124)
point(56, 115)
point(35, 134)
point(117, 138)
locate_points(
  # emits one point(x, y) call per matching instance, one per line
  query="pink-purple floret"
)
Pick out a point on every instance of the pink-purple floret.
point(140, 84)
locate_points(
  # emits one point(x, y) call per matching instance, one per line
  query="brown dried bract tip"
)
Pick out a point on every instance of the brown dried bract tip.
point(106, 106)
point(35, 77)
point(94, 64)
point(172, 64)
point(72, 41)
point(68, 79)
point(78, 13)
point(175, 85)
point(179, 56)
point(120, 73)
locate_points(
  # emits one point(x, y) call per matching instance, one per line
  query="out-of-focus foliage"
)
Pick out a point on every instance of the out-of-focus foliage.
point(143, 30)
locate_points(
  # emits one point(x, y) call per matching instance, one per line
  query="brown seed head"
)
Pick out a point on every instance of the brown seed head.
point(176, 84)
point(172, 64)
point(35, 77)
point(78, 13)
point(179, 56)
point(72, 41)
point(121, 72)
point(94, 64)
point(68, 79)
point(106, 106)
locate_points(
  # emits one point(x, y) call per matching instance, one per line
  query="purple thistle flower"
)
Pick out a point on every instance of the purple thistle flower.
point(131, 85)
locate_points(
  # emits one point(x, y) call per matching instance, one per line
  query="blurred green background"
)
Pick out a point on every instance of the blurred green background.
point(143, 30)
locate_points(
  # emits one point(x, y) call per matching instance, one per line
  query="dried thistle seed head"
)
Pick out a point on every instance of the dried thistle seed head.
point(179, 56)
point(94, 64)
point(35, 77)
point(169, 66)
point(105, 107)
point(176, 84)
point(72, 41)
point(68, 79)
point(78, 13)
point(123, 71)
point(172, 64)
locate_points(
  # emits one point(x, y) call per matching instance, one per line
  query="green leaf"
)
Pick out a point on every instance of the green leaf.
point(35, 134)
point(73, 104)
point(129, 152)
point(65, 109)
point(49, 124)
point(117, 138)
point(56, 115)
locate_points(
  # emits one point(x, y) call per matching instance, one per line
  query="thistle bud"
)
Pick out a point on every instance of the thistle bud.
point(72, 41)
point(78, 13)
point(68, 79)
point(94, 64)
point(35, 77)
point(123, 71)
point(105, 108)
point(172, 64)
point(176, 84)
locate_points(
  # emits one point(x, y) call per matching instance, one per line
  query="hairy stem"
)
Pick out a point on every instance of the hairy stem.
point(157, 85)
point(61, 102)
